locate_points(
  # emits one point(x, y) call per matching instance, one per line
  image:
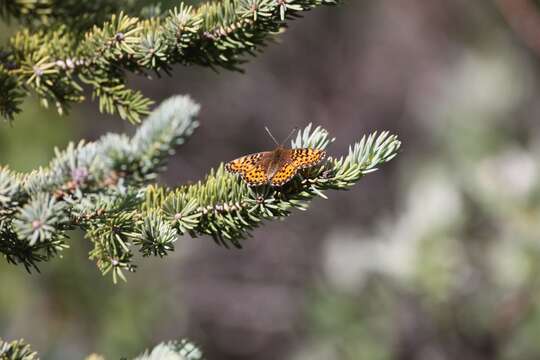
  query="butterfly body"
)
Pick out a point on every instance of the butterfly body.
point(275, 167)
point(275, 159)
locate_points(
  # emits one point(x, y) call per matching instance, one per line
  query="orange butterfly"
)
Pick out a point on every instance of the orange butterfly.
point(275, 167)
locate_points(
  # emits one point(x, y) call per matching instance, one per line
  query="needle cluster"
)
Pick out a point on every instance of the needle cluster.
point(66, 46)
point(107, 188)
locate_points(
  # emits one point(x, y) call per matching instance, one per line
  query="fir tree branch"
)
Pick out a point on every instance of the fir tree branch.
point(55, 61)
point(225, 208)
point(172, 350)
point(25, 9)
point(79, 15)
point(16, 350)
point(94, 186)
point(103, 189)
point(10, 94)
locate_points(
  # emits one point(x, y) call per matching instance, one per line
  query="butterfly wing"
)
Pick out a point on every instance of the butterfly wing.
point(252, 168)
point(305, 158)
point(296, 159)
point(285, 173)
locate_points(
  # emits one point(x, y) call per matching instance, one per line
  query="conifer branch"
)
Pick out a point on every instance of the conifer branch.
point(172, 350)
point(78, 14)
point(225, 208)
point(106, 189)
point(93, 186)
point(16, 350)
point(54, 62)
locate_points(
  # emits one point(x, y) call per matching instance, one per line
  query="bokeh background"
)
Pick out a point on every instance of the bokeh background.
point(436, 256)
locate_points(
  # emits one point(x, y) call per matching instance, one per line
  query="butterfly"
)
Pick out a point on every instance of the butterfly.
point(276, 167)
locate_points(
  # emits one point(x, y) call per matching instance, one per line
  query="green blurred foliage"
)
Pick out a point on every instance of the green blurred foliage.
point(39, 131)
point(462, 259)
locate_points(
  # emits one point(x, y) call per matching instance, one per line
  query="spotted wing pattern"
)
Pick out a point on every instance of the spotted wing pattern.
point(252, 168)
point(296, 159)
point(285, 173)
point(304, 158)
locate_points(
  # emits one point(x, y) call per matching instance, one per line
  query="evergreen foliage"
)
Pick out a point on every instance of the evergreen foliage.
point(16, 350)
point(106, 189)
point(172, 350)
point(60, 50)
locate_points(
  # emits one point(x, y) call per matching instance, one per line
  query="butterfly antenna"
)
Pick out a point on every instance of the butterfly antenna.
point(272, 136)
point(291, 134)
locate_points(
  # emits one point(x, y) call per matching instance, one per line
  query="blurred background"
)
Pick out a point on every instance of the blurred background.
point(436, 256)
